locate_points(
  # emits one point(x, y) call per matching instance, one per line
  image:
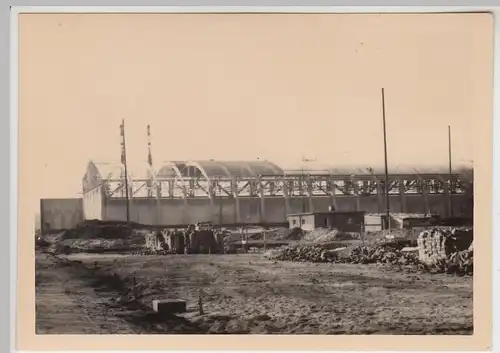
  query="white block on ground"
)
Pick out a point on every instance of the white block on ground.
point(169, 306)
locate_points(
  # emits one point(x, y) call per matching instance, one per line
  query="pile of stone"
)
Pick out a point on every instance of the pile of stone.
point(382, 253)
point(151, 252)
point(393, 254)
point(306, 254)
point(389, 253)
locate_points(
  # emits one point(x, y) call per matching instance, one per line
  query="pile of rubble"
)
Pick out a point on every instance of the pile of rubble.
point(381, 253)
point(308, 253)
point(391, 254)
point(289, 234)
point(460, 263)
point(150, 252)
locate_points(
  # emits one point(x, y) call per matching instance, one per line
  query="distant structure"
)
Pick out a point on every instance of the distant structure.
point(60, 214)
point(38, 223)
point(182, 192)
point(351, 221)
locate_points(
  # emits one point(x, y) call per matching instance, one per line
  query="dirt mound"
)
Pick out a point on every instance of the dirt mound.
point(292, 234)
point(322, 235)
point(271, 234)
point(99, 230)
point(396, 235)
point(99, 237)
point(96, 245)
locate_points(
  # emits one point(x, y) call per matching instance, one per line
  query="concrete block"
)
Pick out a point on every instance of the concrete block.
point(169, 306)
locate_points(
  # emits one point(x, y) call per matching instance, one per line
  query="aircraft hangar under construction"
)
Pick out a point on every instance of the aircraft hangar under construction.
point(261, 192)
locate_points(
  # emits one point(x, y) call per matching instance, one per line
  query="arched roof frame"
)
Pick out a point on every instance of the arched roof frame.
point(108, 170)
point(177, 173)
point(314, 168)
point(213, 169)
point(97, 173)
point(202, 169)
point(174, 167)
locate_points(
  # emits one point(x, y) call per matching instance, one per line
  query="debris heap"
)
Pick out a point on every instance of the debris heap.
point(381, 253)
point(454, 247)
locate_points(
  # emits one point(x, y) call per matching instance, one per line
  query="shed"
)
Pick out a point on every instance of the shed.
point(377, 222)
point(343, 221)
point(413, 220)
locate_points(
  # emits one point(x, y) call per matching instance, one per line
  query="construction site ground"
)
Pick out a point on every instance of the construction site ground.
point(244, 293)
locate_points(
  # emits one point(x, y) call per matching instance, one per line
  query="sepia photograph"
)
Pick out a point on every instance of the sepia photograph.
point(252, 173)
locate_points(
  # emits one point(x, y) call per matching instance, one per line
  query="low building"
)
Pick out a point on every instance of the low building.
point(377, 222)
point(374, 223)
point(412, 220)
point(344, 221)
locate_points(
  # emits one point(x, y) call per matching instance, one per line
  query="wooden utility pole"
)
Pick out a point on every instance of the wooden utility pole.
point(386, 186)
point(220, 204)
point(302, 190)
point(306, 194)
point(450, 184)
point(154, 190)
point(124, 162)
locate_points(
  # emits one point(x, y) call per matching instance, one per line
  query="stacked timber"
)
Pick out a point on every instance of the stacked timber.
point(439, 243)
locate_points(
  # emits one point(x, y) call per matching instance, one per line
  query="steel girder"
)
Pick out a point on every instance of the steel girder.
point(286, 186)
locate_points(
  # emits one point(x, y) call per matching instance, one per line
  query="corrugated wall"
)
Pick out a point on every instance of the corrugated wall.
point(178, 211)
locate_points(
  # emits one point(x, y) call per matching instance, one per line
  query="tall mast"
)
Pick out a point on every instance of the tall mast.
point(450, 185)
point(124, 162)
point(386, 183)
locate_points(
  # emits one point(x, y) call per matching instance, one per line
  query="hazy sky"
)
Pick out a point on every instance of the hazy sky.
point(276, 87)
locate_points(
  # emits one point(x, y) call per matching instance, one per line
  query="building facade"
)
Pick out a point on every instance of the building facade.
point(260, 192)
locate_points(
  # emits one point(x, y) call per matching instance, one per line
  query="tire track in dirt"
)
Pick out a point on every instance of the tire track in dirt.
point(65, 304)
point(331, 298)
point(246, 294)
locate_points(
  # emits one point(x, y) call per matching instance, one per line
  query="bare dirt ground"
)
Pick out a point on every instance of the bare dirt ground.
point(246, 293)
point(66, 304)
